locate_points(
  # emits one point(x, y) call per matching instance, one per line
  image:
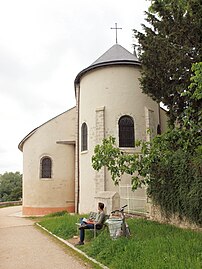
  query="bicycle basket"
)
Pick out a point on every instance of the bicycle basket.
point(114, 225)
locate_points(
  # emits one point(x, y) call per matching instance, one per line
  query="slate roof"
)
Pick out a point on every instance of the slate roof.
point(116, 55)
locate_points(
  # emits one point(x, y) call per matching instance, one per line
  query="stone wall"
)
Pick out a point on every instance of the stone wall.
point(157, 215)
point(100, 134)
point(11, 203)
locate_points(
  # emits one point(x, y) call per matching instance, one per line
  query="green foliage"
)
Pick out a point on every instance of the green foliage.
point(152, 245)
point(192, 115)
point(10, 186)
point(108, 155)
point(176, 185)
point(117, 162)
point(196, 79)
point(170, 44)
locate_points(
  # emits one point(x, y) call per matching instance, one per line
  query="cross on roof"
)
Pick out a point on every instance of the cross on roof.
point(116, 28)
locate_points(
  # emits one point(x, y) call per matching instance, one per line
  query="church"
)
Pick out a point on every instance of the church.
point(57, 166)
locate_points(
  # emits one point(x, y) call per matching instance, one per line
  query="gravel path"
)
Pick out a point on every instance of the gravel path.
point(22, 246)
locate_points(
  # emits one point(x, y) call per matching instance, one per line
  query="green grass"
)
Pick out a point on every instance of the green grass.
point(61, 224)
point(152, 245)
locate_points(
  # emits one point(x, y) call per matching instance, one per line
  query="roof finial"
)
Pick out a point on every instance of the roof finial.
point(116, 28)
point(134, 47)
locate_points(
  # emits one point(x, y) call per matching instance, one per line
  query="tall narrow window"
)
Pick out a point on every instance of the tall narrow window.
point(84, 137)
point(46, 167)
point(158, 129)
point(126, 132)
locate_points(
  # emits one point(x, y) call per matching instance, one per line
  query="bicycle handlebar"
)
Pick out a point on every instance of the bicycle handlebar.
point(119, 210)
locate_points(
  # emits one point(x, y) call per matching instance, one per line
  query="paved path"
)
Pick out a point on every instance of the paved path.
point(22, 246)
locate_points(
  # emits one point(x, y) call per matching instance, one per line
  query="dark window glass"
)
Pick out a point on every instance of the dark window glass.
point(158, 129)
point(126, 132)
point(46, 167)
point(84, 137)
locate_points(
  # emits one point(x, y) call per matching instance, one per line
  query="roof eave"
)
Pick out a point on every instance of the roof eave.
point(20, 145)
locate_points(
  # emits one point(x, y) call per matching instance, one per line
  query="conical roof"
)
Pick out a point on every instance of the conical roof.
point(116, 55)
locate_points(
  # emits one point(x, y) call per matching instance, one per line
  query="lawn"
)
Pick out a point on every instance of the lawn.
point(151, 246)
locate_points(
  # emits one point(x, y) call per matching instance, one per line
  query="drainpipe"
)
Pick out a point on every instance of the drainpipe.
point(77, 86)
point(159, 125)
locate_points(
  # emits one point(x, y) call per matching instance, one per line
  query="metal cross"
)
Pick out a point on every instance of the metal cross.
point(116, 28)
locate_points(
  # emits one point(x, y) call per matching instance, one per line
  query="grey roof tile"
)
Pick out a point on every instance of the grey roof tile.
point(114, 54)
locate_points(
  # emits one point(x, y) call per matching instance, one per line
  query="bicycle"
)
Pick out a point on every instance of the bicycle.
point(118, 226)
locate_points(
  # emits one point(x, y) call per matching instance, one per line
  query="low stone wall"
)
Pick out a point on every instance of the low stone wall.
point(156, 215)
point(11, 203)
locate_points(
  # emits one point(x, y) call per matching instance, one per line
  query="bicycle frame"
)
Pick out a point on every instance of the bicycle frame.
point(124, 226)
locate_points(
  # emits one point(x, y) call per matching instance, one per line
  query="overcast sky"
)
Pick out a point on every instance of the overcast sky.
point(44, 44)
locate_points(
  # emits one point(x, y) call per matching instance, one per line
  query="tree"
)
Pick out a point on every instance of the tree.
point(168, 47)
point(192, 115)
point(10, 186)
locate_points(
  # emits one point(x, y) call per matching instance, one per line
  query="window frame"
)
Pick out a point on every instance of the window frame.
point(84, 137)
point(126, 141)
point(46, 172)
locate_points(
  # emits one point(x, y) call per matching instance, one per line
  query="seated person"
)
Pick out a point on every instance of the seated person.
point(89, 224)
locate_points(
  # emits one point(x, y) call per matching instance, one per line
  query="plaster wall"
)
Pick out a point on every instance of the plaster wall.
point(117, 89)
point(56, 193)
point(164, 120)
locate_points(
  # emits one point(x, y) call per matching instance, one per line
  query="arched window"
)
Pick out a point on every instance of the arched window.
point(46, 167)
point(84, 137)
point(126, 132)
